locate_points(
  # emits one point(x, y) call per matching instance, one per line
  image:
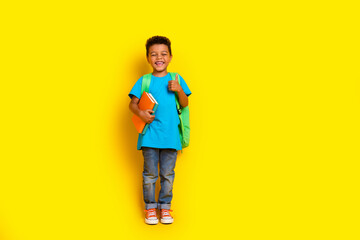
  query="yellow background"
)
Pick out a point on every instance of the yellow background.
point(274, 119)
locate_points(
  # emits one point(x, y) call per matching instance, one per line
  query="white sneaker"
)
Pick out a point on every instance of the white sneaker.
point(166, 216)
point(150, 216)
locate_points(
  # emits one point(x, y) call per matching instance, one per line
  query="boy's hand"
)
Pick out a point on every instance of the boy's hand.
point(174, 86)
point(146, 116)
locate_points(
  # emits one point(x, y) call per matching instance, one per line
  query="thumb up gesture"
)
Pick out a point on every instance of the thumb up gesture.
point(174, 85)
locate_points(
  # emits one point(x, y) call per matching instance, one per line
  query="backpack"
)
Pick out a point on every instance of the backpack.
point(184, 126)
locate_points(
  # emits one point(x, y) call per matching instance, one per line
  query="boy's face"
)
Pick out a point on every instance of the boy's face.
point(159, 57)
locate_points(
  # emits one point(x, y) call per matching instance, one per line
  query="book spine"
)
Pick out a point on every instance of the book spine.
point(147, 125)
point(155, 108)
point(145, 128)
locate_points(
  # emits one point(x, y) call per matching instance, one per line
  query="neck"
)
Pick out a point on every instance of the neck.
point(159, 74)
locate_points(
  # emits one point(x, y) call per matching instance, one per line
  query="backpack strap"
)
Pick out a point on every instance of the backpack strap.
point(178, 107)
point(145, 85)
point(173, 77)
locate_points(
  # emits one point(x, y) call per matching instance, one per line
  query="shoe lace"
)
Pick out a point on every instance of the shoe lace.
point(150, 212)
point(165, 212)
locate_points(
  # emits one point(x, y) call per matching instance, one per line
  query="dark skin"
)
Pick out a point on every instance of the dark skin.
point(145, 115)
point(158, 53)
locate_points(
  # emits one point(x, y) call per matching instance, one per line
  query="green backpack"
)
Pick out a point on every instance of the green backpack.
point(184, 126)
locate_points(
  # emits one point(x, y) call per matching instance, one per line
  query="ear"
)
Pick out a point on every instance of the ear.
point(170, 58)
point(147, 59)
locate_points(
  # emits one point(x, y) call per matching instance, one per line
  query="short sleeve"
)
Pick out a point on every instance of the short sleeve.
point(136, 90)
point(184, 86)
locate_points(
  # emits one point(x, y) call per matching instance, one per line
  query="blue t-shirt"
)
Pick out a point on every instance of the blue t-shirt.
point(163, 132)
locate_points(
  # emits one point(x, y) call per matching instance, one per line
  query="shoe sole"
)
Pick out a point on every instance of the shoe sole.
point(151, 222)
point(167, 221)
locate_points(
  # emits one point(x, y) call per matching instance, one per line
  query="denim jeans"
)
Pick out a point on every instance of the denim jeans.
point(166, 158)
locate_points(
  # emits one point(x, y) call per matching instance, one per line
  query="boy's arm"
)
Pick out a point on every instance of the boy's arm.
point(175, 87)
point(145, 115)
point(183, 99)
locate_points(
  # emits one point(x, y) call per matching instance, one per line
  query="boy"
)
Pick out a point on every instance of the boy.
point(161, 141)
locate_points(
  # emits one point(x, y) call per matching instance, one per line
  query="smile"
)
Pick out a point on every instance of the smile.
point(159, 63)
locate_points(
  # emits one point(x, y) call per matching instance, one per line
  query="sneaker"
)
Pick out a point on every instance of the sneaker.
point(150, 216)
point(166, 216)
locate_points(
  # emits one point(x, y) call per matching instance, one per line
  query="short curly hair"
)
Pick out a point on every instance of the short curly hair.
point(157, 40)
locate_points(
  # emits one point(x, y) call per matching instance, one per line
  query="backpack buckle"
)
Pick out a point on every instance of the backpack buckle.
point(179, 110)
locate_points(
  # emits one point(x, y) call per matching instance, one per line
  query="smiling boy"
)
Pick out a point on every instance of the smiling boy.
point(162, 139)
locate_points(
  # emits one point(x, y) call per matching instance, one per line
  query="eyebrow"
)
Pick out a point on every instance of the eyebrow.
point(161, 51)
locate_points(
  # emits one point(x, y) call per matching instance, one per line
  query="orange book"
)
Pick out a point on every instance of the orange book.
point(147, 101)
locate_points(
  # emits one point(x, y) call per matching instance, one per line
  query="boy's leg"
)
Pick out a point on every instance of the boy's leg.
point(150, 175)
point(167, 174)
